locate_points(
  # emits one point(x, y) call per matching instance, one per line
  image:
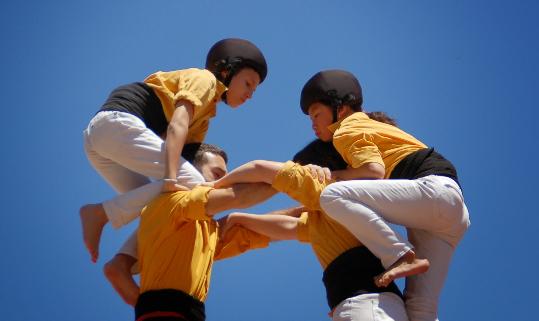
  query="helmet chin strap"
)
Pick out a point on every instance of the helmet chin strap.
point(231, 69)
point(335, 109)
point(224, 97)
point(335, 103)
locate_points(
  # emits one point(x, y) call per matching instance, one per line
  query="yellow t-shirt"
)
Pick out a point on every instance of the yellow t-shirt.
point(297, 182)
point(328, 238)
point(198, 86)
point(178, 243)
point(361, 140)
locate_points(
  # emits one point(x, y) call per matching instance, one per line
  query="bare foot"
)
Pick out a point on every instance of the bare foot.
point(118, 272)
point(405, 266)
point(93, 219)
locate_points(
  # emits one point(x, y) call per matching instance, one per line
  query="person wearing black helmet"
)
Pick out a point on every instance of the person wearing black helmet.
point(422, 194)
point(349, 267)
point(138, 134)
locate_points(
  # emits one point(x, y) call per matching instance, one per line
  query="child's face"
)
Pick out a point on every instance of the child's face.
point(242, 87)
point(321, 117)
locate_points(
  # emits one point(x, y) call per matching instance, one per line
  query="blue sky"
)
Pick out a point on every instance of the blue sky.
point(459, 75)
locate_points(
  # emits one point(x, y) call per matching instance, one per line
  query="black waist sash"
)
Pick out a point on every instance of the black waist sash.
point(140, 100)
point(424, 162)
point(170, 300)
point(352, 273)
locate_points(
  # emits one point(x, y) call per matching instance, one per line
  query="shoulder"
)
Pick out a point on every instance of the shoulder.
point(201, 75)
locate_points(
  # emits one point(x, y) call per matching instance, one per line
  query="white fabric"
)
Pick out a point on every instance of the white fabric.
point(371, 307)
point(128, 155)
point(433, 210)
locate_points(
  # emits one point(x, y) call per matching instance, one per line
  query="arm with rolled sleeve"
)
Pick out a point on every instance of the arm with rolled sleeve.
point(297, 182)
point(360, 153)
point(239, 240)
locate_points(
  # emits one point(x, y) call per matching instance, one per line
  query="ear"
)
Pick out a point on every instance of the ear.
point(344, 111)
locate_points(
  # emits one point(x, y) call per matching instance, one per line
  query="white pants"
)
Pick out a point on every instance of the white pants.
point(371, 307)
point(128, 155)
point(433, 210)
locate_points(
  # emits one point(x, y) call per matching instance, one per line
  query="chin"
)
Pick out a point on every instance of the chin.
point(324, 139)
point(233, 104)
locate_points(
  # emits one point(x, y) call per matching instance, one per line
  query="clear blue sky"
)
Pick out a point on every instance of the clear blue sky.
point(460, 75)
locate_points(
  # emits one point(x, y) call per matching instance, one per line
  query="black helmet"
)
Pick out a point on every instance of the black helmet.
point(232, 55)
point(334, 88)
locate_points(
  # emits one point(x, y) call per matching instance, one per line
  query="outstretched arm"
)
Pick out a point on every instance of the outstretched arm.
point(237, 196)
point(258, 171)
point(276, 227)
point(292, 211)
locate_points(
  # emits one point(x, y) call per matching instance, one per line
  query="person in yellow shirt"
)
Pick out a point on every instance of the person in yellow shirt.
point(178, 241)
point(139, 132)
point(349, 267)
point(405, 262)
point(422, 194)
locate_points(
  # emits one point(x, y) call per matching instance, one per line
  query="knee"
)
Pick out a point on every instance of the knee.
point(329, 194)
point(333, 195)
point(112, 270)
point(119, 266)
point(457, 220)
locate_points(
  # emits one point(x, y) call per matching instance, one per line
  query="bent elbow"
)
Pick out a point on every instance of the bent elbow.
point(376, 171)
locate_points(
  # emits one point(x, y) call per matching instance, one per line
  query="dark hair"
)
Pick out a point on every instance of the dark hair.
point(194, 152)
point(322, 154)
point(381, 117)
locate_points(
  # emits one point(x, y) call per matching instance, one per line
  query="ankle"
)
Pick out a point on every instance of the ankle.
point(409, 256)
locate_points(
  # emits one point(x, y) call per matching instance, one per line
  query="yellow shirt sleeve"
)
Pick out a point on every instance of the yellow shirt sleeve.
point(357, 150)
point(355, 142)
point(239, 240)
point(303, 228)
point(198, 86)
point(296, 181)
point(188, 206)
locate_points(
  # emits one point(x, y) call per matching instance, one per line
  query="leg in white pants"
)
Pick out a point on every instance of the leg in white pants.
point(127, 154)
point(371, 307)
point(431, 207)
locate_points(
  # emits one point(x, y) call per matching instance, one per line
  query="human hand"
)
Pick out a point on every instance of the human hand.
point(171, 185)
point(322, 173)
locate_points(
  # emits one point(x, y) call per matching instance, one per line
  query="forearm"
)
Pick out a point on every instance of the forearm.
point(276, 227)
point(293, 211)
point(247, 195)
point(237, 196)
point(258, 171)
point(367, 171)
point(175, 138)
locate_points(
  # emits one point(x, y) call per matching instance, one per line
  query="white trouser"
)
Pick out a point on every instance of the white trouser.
point(128, 155)
point(371, 307)
point(433, 210)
